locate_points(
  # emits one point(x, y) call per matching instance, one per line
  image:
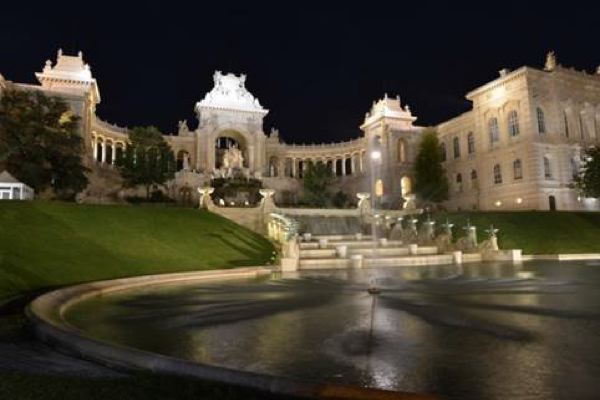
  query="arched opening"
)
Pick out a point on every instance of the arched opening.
point(183, 160)
point(330, 166)
point(348, 165)
point(301, 168)
point(552, 203)
point(273, 166)
point(406, 186)
point(289, 168)
point(338, 167)
point(459, 186)
point(109, 152)
point(119, 152)
point(231, 150)
point(99, 143)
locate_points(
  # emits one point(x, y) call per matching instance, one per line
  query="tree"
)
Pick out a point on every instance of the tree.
point(588, 181)
point(317, 181)
point(40, 142)
point(148, 159)
point(431, 183)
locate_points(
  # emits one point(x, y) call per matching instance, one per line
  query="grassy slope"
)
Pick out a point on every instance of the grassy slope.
point(536, 232)
point(50, 244)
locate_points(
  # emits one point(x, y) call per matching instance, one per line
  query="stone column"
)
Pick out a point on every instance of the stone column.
point(343, 166)
point(103, 151)
point(353, 165)
point(334, 165)
point(293, 167)
point(95, 148)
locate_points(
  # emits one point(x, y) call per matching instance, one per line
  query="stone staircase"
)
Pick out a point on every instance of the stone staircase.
point(361, 251)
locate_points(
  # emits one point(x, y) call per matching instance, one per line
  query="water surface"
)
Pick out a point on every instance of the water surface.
point(484, 331)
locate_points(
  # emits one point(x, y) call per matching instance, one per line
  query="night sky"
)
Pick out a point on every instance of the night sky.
point(316, 68)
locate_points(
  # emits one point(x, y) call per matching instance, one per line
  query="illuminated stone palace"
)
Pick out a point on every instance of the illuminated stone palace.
point(519, 147)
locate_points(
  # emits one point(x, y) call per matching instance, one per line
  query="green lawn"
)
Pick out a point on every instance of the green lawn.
point(49, 244)
point(535, 232)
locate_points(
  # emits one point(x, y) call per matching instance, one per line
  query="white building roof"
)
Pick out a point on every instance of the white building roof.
point(230, 93)
point(6, 177)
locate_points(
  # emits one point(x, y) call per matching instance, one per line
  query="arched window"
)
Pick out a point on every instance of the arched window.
point(401, 151)
point(470, 143)
point(513, 123)
point(517, 169)
point(547, 170)
point(456, 146)
point(493, 130)
point(406, 185)
point(566, 118)
point(459, 187)
point(541, 121)
point(443, 151)
point(473, 175)
point(497, 174)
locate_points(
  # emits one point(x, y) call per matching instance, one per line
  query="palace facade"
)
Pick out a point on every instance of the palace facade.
point(518, 148)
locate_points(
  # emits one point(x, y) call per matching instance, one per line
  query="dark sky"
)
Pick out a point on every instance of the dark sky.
point(316, 67)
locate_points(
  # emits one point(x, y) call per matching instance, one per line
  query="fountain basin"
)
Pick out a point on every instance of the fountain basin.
point(479, 325)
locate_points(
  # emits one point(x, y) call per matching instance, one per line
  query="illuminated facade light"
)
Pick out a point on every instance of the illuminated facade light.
point(498, 203)
point(519, 200)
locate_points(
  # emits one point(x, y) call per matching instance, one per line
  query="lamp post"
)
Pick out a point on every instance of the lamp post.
point(376, 182)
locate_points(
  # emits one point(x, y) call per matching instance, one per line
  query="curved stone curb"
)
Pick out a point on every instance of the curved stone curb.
point(46, 314)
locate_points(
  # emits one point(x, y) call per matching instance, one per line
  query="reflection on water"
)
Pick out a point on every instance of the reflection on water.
point(494, 331)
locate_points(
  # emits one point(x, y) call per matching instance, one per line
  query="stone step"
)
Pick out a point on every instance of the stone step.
point(339, 263)
point(365, 244)
point(369, 252)
point(315, 238)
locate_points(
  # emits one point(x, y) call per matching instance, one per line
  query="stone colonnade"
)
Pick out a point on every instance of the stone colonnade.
point(292, 166)
point(106, 150)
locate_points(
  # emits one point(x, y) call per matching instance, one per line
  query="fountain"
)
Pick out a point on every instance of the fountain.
point(400, 331)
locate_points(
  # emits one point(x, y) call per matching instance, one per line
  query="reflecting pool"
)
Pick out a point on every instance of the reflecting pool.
point(477, 331)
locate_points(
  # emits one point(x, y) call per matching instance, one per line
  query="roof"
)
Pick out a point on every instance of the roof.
point(6, 177)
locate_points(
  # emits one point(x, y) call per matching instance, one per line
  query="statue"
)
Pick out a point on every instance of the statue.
point(233, 158)
point(183, 129)
point(550, 61)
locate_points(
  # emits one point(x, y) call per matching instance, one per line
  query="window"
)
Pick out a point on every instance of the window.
point(493, 130)
point(456, 145)
point(513, 123)
point(517, 169)
point(541, 121)
point(459, 187)
point(473, 175)
point(566, 118)
point(547, 170)
point(497, 174)
point(470, 143)
point(443, 151)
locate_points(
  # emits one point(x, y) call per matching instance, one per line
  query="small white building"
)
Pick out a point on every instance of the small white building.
point(12, 189)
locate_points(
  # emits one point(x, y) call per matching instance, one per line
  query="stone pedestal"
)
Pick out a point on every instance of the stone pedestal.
point(413, 249)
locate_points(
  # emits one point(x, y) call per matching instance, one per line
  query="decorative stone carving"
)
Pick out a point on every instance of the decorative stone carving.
point(230, 93)
point(205, 199)
point(183, 129)
point(550, 64)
